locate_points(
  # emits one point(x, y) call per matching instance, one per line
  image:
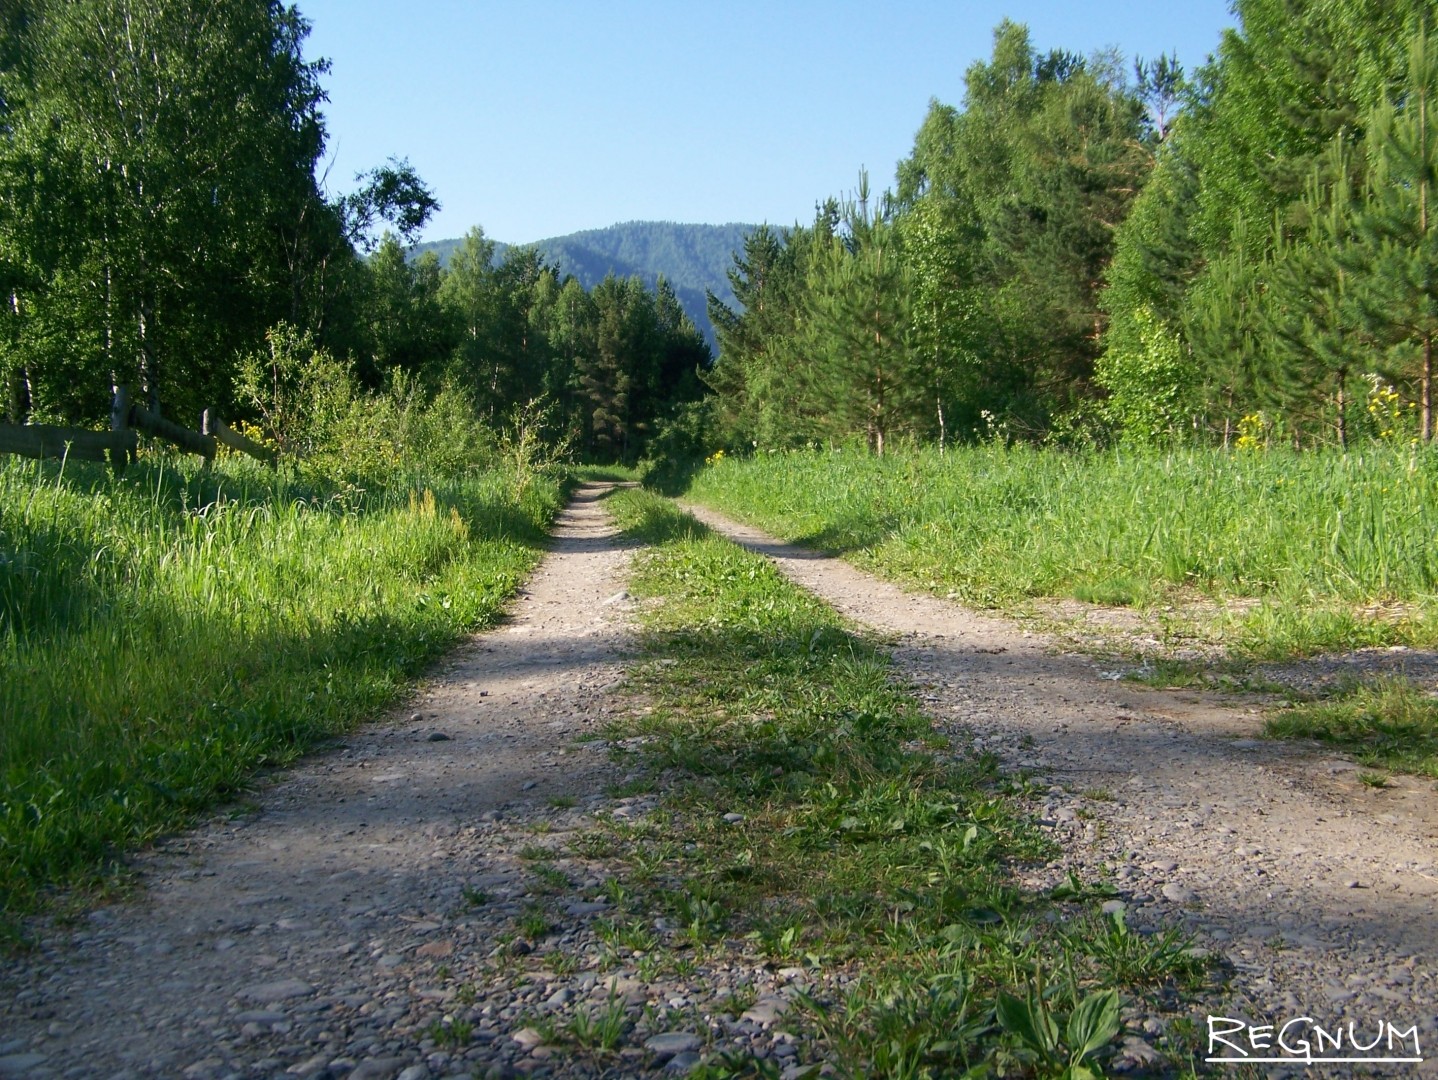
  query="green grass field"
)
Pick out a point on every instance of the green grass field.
point(164, 635)
point(1316, 536)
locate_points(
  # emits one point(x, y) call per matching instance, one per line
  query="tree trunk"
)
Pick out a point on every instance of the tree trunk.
point(1427, 389)
point(1342, 411)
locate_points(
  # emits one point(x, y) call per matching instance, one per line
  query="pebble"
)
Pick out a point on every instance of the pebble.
point(528, 1038)
point(282, 990)
point(379, 1068)
point(766, 1010)
point(20, 1064)
point(1179, 894)
point(671, 1043)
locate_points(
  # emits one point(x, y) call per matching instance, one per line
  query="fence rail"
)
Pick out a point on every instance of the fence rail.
point(118, 445)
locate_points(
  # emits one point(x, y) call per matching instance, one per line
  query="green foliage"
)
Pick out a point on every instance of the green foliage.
point(868, 841)
point(1150, 383)
point(1064, 1052)
point(684, 440)
point(161, 177)
point(1393, 723)
point(313, 408)
point(972, 293)
point(693, 259)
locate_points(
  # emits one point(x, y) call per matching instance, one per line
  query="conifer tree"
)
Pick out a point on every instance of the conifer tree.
point(1396, 257)
point(867, 378)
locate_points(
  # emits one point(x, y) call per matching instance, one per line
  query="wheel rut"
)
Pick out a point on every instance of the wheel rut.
point(306, 933)
point(1319, 890)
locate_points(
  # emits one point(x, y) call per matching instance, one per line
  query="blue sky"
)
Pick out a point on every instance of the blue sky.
point(536, 119)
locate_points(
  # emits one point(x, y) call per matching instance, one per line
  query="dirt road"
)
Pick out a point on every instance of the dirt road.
point(360, 918)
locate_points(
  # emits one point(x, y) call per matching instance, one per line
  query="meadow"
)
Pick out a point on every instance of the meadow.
point(1321, 539)
point(166, 634)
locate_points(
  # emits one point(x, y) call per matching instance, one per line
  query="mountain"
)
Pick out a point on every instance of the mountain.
point(692, 258)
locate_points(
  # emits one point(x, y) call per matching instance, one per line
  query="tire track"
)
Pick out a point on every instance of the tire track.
point(1318, 890)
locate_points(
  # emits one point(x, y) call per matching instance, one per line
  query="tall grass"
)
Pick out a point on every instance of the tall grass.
point(1319, 534)
point(165, 634)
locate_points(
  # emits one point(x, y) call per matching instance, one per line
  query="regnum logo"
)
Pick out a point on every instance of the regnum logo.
point(1304, 1040)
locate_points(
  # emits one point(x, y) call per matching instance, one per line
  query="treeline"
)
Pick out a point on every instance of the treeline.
point(1088, 251)
point(161, 225)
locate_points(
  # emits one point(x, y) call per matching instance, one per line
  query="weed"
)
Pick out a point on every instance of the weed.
point(601, 1030)
point(548, 878)
point(1123, 956)
point(732, 1065)
point(475, 898)
point(534, 923)
point(1391, 723)
point(1072, 888)
point(451, 1033)
point(563, 802)
point(1059, 1046)
point(594, 844)
point(561, 963)
point(639, 785)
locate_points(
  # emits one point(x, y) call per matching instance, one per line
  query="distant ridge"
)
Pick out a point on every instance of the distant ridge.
point(692, 258)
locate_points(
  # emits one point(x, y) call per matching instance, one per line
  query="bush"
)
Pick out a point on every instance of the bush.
point(679, 447)
point(313, 409)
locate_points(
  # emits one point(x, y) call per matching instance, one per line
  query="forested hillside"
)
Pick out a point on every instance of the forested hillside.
point(693, 259)
point(1086, 251)
point(161, 226)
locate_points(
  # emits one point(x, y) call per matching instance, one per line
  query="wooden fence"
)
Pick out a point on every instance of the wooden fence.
point(118, 445)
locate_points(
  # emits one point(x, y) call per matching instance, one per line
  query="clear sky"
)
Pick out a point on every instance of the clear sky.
point(536, 118)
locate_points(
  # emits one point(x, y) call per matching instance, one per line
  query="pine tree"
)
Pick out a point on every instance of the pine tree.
point(868, 377)
point(1397, 252)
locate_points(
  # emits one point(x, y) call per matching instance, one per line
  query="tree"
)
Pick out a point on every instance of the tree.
point(868, 379)
point(1397, 290)
point(1028, 185)
point(410, 329)
point(176, 141)
point(759, 374)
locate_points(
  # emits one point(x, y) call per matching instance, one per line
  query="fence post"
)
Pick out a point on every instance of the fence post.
point(119, 421)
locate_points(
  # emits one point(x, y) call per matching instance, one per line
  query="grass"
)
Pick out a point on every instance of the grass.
point(1338, 548)
point(1390, 723)
point(869, 845)
point(166, 634)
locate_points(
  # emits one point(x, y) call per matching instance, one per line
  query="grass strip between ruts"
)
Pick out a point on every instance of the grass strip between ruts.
point(819, 820)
